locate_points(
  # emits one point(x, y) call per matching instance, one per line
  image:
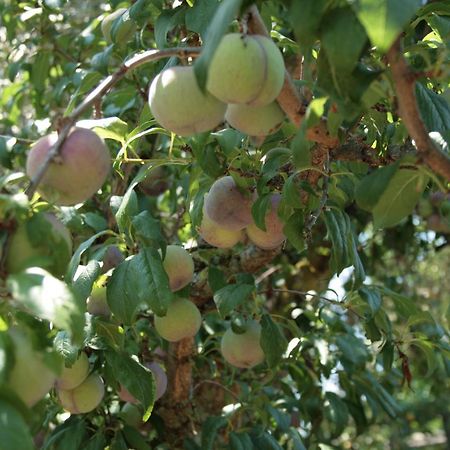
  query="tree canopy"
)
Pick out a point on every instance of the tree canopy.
point(237, 236)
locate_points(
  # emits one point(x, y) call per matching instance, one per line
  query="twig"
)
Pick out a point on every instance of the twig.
point(405, 84)
point(134, 62)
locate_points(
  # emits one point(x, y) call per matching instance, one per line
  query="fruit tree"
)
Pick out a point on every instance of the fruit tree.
point(224, 224)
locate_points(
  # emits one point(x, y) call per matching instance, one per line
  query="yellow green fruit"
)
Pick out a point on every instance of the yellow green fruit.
point(30, 378)
point(273, 236)
point(179, 266)
point(217, 236)
point(179, 105)
point(255, 120)
point(183, 319)
point(243, 350)
point(125, 29)
point(131, 415)
point(51, 248)
point(227, 206)
point(96, 304)
point(73, 376)
point(85, 397)
point(247, 69)
point(82, 167)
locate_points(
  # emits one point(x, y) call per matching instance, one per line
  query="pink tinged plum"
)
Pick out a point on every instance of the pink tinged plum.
point(179, 266)
point(179, 105)
point(255, 120)
point(217, 236)
point(183, 319)
point(30, 378)
point(73, 376)
point(273, 236)
point(77, 173)
point(227, 206)
point(246, 69)
point(85, 397)
point(243, 350)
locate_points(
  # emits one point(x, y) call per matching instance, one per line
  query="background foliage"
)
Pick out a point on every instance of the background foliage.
point(355, 361)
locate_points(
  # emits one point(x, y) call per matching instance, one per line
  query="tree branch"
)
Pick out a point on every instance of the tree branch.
point(134, 62)
point(405, 83)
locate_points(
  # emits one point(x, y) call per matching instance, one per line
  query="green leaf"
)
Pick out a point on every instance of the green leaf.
point(273, 341)
point(343, 38)
point(216, 278)
point(44, 296)
point(336, 412)
point(293, 230)
point(430, 354)
point(225, 14)
point(199, 17)
point(230, 297)
point(301, 149)
point(265, 441)
point(384, 20)
point(67, 436)
point(63, 345)
point(372, 297)
point(138, 380)
point(148, 230)
point(14, 432)
point(109, 128)
point(140, 279)
point(240, 441)
point(371, 187)
point(210, 429)
point(400, 197)
point(259, 210)
point(135, 439)
point(85, 278)
point(434, 109)
point(40, 69)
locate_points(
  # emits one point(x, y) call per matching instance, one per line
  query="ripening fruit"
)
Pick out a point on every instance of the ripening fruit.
point(227, 206)
point(246, 69)
point(243, 350)
point(217, 236)
point(30, 378)
point(50, 248)
point(255, 120)
point(80, 171)
point(159, 377)
point(179, 266)
point(126, 28)
point(73, 376)
point(273, 236)
point(96, 304)
point(156, 182)
point(131, 415)
point(85, 397)
point(179, 105)
point(183, 319)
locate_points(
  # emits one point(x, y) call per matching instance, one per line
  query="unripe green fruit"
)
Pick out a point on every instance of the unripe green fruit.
point(131, 415)
point(273, 236)
point(183, 319)
point(125, 30)
point(179, 266)
point(246, 69)
point(227, 206)
point(85, 397)
point(29, 378)
point(179, 105)
point(243, 350)
point(82, 167)
point(217, 236)
point(255, 120)
point(23, 252)
point(96, 304)
point(71, 377)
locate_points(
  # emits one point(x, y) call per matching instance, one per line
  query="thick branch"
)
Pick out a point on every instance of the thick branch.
point(405, 84)
point(98, 92)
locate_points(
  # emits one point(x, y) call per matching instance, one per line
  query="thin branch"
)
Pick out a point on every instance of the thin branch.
point(405, 84)
point(134, 62)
